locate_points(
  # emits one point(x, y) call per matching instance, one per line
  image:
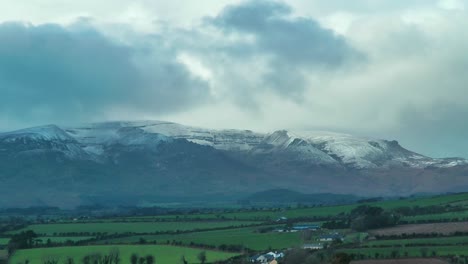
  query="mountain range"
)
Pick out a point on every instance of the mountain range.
point(145, 162)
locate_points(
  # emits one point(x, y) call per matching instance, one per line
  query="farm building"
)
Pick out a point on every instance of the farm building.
point(305, 227)
point(269, 257)
point(312, 246)
point(331, 237)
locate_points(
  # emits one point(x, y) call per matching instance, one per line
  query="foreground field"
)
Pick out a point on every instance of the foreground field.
point(246, 237)
point(439, 228)
point(402, 261)
point(137, 227)
point(162, 254)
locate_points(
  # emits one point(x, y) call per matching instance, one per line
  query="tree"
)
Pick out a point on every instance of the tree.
point(134, 259)
point(367, 217)
point(202, 257)
point(395, 253)
point(295, 256)
point(115, 255)
point(149, 259)
point(424, 252)
point(141, 260)
point(22, 240)
point(50, 260)
point(86, 259)
point(183, 260)
point(341, 258)
point(69, 260)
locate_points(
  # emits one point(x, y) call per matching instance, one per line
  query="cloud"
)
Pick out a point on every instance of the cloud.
point(54, 73)
point(396, 70)
point(293, 46)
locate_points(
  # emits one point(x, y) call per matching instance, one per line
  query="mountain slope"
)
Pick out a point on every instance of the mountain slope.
point(135, 162)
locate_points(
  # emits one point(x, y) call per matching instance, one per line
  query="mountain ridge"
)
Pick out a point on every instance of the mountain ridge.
point(56, 165)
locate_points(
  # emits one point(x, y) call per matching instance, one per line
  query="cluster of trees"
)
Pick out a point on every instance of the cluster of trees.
point(222, 247)
point(12, 223)
point(303, 256)
point(421, 235)
point(22, 240)
point(135, 259)
point(425, 210)
point(365, 217)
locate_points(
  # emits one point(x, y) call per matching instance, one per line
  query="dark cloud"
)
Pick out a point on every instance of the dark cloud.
point(74, 73)
point(294, 44)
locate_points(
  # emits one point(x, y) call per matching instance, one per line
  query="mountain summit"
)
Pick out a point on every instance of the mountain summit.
point(151, 160)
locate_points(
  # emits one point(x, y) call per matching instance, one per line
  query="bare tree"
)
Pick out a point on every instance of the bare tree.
point(202, 257)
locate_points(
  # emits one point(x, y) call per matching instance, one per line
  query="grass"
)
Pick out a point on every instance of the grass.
point(119, 228)
point(3, 254)
point(4, 241)
point(242, 236)
point(60, 239)
point(162, 254)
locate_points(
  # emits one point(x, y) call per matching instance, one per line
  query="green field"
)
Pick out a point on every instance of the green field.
point(318, 212)
point(4, 241)
point(138, 227)
point(60, 239)
point(237, 231)
point(54, 239)
point(162, 254)
point(242, 236)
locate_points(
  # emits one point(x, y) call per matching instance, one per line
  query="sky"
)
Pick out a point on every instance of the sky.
point(393, 69)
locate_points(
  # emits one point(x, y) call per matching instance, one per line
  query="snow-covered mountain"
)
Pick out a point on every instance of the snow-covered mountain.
point(316, 147)
point(166, 158)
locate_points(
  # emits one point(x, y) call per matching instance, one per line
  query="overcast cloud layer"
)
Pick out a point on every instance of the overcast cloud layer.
point(394, 69)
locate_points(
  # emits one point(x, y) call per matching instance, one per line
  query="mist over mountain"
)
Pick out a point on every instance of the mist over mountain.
point(147, 162)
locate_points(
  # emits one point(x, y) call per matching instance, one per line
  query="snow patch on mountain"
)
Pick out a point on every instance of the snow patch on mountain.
point(90, 141)
point(48, 133)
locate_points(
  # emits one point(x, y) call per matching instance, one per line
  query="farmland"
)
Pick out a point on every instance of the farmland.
point(162, 254)
point(247, 237)
point(435, 228)
point(4, 241)
point(455, 240)
point(232, 232)
point(128, 227)
point(402, 261)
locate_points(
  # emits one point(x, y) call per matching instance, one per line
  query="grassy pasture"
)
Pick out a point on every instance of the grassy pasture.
point(321, 212)
point(137, 227)
point(4, 241)
point(3, 254)
point(162, 254)
point(246, 237)
point(60, 239)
